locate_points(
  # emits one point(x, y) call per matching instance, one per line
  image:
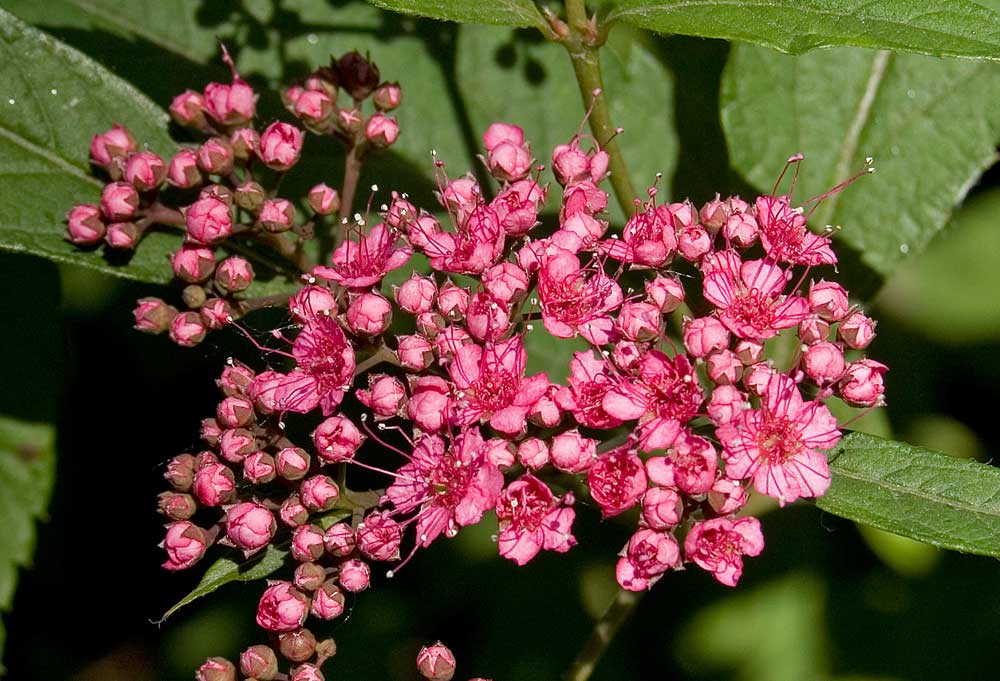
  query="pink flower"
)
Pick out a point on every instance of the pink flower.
point(361, 264)
point(648, 238)
point(185, 544)
point(863, 384)
point(509, 162)
point(749, 297)
point(824, 362)
point(572, 453)
point(282, 607)
point(616, 481)
point(505, 281)
point(476, 244)
point(857, 331)
point(381, 131)
point(326, 357)
point(379, 537)
point(491, 385)
point(690, 465)
point(449, 485)
point(436, 662)
point(786, 238)
point(661, 508)
point(250, 526)
point(663, 396)
point(84, 226)
point(368, 315)
point(576, 299)
point(582, 197)
point(280, 145)
point(590, 379)
point(355, 575)
point(546, 412)
point(778, 445)
point(530, 519)
point(647, 556)
point(311, 302)
point(533, 453)
point(718, 546)
point(829, 300)
point(337, 439)
point(327, 602)
point(208, 220)
point(499, 133)
point(416, 294)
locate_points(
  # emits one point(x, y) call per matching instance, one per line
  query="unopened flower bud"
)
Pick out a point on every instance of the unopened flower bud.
point(315, 108)
point(309, 576)
point(328, 601)
point(639, 321)
point(187, 329)
point(210, 432)
point(183, 171)
point(250, 526)
point(323, 79)
point(153, 315)
point(661, 508)
point(277, 215)
point(292, 463)
point(217, 191)
point(863, 385)
point(245, 143)
point(340, 540)
point(280, 145)
point(824, 362)
point(319, 493)
point(749, 351)
point(829, 300)
point(119, 201)
point(349, 121)
point(533, 453)
point(188, 110)
point(724, 367)
point(388, 96)
point(337, 439)
point(122, 235)
point(812, 329)
point(857, 331)
point(356, 75)
point(509, 162)
point(381, 131)
point(572, 453)
point(230, 105)
point(180, 472)
point(113, 144)
point(306, 672)
point(282, 607)
point(208, 220)
point(214, 484)
point(259, 468)
point(453, 301)
point(416, 294)
point(216, 669)
point(298, 645)
point(324, 200)
point(665, 292)
point(436, 662)
point(693, 242)
point(259, 662)
point(379, 537)
point(415, 352)
point(185, 544)
point(385, 396)
point(84, 226)
point(194, 296)
point(235, 443)
point(176, 506)
point(369, 314)
point(355, 575)
point(217, 313)
point(292, 512)
point(307, 543)
point(215, 156)
point(250, 196)
point(501, 133)
point(234, 274)
point(145, 171)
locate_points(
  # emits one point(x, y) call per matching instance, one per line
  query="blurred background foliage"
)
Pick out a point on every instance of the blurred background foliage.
point(826, 601)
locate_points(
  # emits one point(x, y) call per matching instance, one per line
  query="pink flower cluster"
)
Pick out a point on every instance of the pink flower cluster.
point(680, 409)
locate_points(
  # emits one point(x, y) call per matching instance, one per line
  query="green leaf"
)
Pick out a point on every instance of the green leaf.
point(496, 12)
point(934, 498)
point(839, 107)
point(54, 100)
point(27, 471)
point(951, 27)
point(226, 570)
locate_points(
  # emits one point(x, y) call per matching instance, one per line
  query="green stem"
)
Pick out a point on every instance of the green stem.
point(604, 631)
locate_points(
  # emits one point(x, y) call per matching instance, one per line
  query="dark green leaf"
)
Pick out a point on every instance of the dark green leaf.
point(226, 570)
point(950, 27)
point(497, 12)
point(839, 107)
point(934, 498)
point(27, 471)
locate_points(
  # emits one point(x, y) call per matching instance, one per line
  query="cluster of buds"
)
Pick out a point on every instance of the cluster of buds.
point(679, 410)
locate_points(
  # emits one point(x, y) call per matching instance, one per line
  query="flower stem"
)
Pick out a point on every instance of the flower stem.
point(352, 173)
point(604, 631)
point(583, 43)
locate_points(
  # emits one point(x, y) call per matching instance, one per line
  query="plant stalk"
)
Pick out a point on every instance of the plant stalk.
point(602, 635)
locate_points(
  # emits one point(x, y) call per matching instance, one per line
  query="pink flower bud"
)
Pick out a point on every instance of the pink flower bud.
point(415, 352)
point(324, 200)
point(319, 493)
point(724, 367)
point(499, 133)
point(693, 243)
point(812, 329)
point(462, 194)
point(176, 506)
point(727, 496)
point(188, 110)
point(639, 321)
point(505, 282)
point(292, 512)
point(215, 156)
point(388, 96)
point(250, 526)
point(187, 329)
point(572, 453)
point(690, 465)
point(857, 331)
point(208, 220)
point(369, 314)
point(306, 672)
point(216, 313)
point(230, 105)
point(282, 607)
point(185, 544)
point(666, 292)
point(385, 396)
point(328, 601)
point(145, 171)
point(183, 171)
point(533, 453)
point(119, 201)
point(616, 481)
point(741, 230)
point(436, 662)
point(863, 386)
point(113, 144)
point(416, 294)
point(280, 145)
point(234, 274)
point(307, 543)
point(214, 484)
point(829, 300)
point(570, 164)
point(216, 669)
point(259, 468)
point(310, 302)
point(308, 576)
point(546, 412)
point(234, 412)
point(259, 662)
point(357, 75)
point(509, 162)
point(315, 108)
point(713, 215)
point(428, 405)
point(337, 439)
point(703, 335)
point(452, 301)
point(401, 212)
point(499, 452)
point(180, 472)
point(381, 131)
point(583, 197)
point(277, 215)
point(824, 362)
point(725, 404)
point(487, 318)
point(661, 508)
point(379, 537)
point(152, 315)
point(122, 235)
point(292, 463)
point(749, 351)
point(355, 575)
point(84, 226)
point(349, 121)
point(340, 540)
point(245, 143)
point(217, 191)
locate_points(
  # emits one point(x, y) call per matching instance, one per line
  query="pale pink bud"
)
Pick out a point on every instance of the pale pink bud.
point(453, 301)
point(280, 145)
point(415, 352)
point(430, 324)
point(187, 329)
point(616, 481)
point(505, 281)
point(208, 220)
point(84, 226)
point(234, 274)
point(234, 412)
point(259, 662)
point(215, 156)
point(570, 164)
point(749, 351)
point(639, 321)
point(428, 404)
point(703, 335)
point(829, 300)
point(509, 162)
point(693, 242)
point(661, 508)
point(666, 292)
point(355, 575)
point(250, 526)
point(183, 170)
point(381, 131)
point(236, 443)
point(388, 96)
point(340, 540)
point(188, 110)
point(369, 314)
point(277, 215)
point(337, 439)
point(216, 669)
point(235, 379)
point(499, 452)
point(824, 362)
point(245, 142)
point(498, 133)
point(258, 468)
point(724, 367)
point(758, 376)
point(725, 404)
point(122, 235)
point(185, 544)
point(812, 329)
point(306, 672)
point(282, 607)
point(327, 602)
point(119, 201)
point(572, 453)
point(153, 315)
point(385, 395)
point(533, 453)
point(145, 171)
point(461, 194)
point(214, 484)
point(113, 144)
point(727, 496)
point(230, 105)
point(436, 662)
point(292, 512)
point(857, 331)
point(180, 472)
point(416, 294)
point(319, 493)
point(741, 230)
point(310, 302)
point(863, 386)
point(379, 537)
point(324, 200)
point(314, 107)
point(292, 463)
point(307, 543)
